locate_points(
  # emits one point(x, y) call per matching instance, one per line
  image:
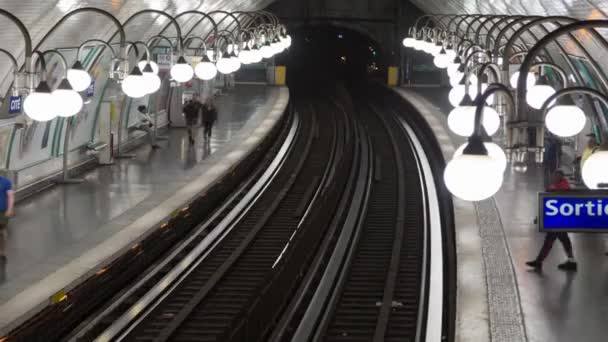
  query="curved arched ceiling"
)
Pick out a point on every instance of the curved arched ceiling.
point(581, 9)
point(39, 15)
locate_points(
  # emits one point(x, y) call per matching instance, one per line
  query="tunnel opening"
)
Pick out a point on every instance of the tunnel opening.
point(325, 53)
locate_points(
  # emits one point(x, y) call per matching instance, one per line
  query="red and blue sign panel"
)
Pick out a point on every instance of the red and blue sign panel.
point(573, 211)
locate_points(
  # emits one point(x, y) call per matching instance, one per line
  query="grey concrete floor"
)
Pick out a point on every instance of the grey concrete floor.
point(558, 306)
point(55, 226)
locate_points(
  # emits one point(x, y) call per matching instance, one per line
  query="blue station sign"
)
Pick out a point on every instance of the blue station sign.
point(573, 211)
point(14, 105)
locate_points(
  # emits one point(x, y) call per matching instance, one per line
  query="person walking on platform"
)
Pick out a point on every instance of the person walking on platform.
point(7, 210)
point(191, 112)
point(559, 183)
point(145, 124)
point(209, 117)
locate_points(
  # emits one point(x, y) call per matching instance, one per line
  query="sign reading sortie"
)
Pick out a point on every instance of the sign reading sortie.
point(573, 211)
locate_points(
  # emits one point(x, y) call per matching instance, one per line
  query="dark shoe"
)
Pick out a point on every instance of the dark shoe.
point(535, 263)
point(155, 146)
point(568, 266)
point(2, 259)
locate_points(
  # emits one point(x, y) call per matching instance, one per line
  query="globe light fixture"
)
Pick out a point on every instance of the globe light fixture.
point(153, 65)
point(442, 60)
point(68, 101)
point(594, 170)
point(256, 54)
point(205, 70)
point(461, 119)
point(40, 105)
point(494, 152)
point(224, 64)
point(152, 81)
point(451, 54)
point(182, 71)
point(565, 119)
point(477, 174)
point(245, 55)
point(456, 94)
point(409, 42)
point(288, 41)
point(276, 45)
point(267, 51)
point(530, 80)
point(473, 177)
point(539, 93)
point(134, 85)
point(78, 77)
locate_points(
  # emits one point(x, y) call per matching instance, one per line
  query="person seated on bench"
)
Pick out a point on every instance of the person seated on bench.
point(145, 124)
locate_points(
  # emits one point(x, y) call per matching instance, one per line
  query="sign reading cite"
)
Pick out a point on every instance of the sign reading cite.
point(573, 211)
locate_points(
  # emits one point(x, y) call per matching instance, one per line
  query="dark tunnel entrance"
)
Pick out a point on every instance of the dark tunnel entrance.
point(322, 53)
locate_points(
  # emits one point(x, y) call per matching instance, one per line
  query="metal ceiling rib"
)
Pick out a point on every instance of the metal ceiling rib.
point(39, 16)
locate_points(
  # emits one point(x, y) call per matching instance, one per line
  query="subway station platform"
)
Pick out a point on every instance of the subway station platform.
point(499, 297)
point(62, 235)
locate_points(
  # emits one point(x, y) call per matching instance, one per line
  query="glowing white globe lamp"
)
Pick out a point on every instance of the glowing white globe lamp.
point(152, 80)
point(256, 54)
point(78, 77)
point(473, 177)
point(224, 64)
point(409, 42)
point(538, 94)
point(451, 54)
point(442, 59)
point(182, 71)
point(68, 101)
point(40, 105)
point(205, 70)
point(595, 175)
point(134, 85)
point(494, 152)
point(245, 55)
point(142, 65)
point(565, 120)
point(530, 80)
point(288, 41)
point(456, 94)
point(461, 120)
point(267, 51)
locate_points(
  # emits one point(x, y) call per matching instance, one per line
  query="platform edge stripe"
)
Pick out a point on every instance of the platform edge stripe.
point(472, 310)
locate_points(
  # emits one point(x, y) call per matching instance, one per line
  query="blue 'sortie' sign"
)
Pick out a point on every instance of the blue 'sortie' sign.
point(14, 105)
point(575, 211)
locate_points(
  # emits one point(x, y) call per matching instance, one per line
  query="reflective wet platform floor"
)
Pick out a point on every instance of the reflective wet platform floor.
point(56, 226)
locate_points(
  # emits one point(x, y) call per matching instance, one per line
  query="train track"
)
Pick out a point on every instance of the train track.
point(333, 241)
point(210, 286)
point(373, 282)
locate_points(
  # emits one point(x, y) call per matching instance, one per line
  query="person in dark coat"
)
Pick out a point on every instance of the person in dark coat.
point(209, 117)
point(192, 109)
